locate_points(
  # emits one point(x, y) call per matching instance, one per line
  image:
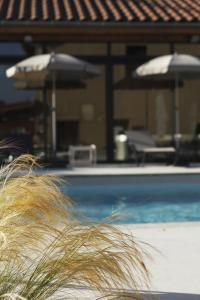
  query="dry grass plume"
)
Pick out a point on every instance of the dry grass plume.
point(44, 249)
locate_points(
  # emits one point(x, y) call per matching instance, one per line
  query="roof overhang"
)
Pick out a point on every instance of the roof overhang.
point(98, 32)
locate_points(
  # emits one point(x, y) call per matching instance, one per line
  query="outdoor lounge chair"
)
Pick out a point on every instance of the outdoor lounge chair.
point(143, 144)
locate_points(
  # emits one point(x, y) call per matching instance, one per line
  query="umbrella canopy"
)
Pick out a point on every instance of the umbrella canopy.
point(175, 66)
point(54, 67)
point(186, 66)
point(41, 67)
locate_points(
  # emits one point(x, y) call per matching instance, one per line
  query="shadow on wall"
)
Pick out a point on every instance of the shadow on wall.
point(170, 296)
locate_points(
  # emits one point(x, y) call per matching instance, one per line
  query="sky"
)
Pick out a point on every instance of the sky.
point(8, 92)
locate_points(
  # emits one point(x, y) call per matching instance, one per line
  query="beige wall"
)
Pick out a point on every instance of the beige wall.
point(70, 106)
point(81, 49)
point(129, 104)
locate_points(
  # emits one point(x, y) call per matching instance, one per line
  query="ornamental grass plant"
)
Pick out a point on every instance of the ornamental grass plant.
point(47, 253)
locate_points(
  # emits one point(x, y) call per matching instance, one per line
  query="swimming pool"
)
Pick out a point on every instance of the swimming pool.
point(137, 199)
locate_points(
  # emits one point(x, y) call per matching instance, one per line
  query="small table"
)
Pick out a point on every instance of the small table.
point(82, 155)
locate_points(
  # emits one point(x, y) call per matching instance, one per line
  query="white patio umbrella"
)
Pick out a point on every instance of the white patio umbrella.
point(52, 67)
point(174, 66)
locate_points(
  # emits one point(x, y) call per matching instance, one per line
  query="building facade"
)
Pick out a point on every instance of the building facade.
point(117, 36)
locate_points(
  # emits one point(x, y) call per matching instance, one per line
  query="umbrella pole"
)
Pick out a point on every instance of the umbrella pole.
point(177, 113)
point(53, 115)
point(146, 110)
point(45, 122)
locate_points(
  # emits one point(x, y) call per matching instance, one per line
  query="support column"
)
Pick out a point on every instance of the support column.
point(45, 111)
point(172, 50)
point(45, 122)
point(109, 107)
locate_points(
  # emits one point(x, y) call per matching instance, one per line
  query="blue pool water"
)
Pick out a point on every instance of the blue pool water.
point(150, 199)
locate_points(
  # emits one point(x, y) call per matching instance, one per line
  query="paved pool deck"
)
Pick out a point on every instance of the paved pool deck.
point(121, 169)
point(175, 266)
point(175, 263)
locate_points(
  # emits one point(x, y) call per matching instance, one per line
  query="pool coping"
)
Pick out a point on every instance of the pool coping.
point(159, 225)
point(121, 170)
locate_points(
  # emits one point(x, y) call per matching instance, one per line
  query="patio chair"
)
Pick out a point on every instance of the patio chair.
point(143, 144)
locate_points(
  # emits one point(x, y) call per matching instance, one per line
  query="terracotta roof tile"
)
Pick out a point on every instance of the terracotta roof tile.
point(172, 11)
point(21, 9)
point(180, 10)
point(68, 10)
point(45, 10)
point(56, 9)
point(79, 9)
point(33, 10)
point(148, 11)
point(125, 10)
point(160, 10)
point(192, 8)
point(137, 11)
point(91, 9)
point(10, 9)
point(102, 9)
point(114, 11)
point(129, 11)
